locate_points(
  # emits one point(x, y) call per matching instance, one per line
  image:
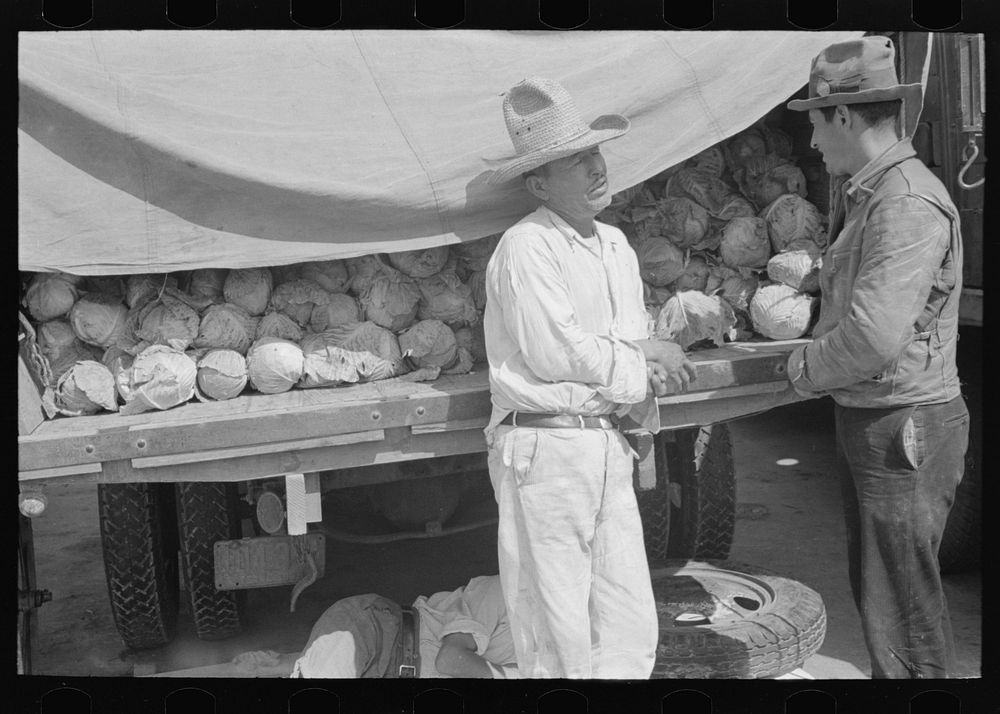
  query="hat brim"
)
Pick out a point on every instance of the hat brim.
point(604, 128)
point(906, 92)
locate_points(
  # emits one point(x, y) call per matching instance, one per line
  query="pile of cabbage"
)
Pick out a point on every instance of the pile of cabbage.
point(729, 246)
point(134, 343)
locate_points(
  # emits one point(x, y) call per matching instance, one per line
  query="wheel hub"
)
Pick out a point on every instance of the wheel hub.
point(683, 598)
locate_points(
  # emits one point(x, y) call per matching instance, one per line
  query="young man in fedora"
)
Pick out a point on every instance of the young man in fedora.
point(569, 354)
point(884, 349)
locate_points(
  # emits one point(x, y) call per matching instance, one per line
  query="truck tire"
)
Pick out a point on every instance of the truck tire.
point(208, 512)
point(139, 542)
point(753, 623)
point(692, 511)
point(961, 543)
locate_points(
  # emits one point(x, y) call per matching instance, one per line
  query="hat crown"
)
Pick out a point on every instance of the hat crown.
point(853, 66)
point(539, 114)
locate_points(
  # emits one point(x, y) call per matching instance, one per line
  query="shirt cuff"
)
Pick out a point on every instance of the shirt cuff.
point(628, 383)
point(797, 373)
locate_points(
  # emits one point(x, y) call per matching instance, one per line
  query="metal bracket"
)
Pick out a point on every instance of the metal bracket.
point(969, 152)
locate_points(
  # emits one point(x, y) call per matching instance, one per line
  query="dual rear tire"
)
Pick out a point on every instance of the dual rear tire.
point(153, 533)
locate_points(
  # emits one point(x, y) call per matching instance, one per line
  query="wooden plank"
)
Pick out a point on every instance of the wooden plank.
point(238, 429)
point(679, 416)
point(30, 413)
point(59, 472)
point(220, 454)
point(329, 458)
point(271, 421)
point(727, 393)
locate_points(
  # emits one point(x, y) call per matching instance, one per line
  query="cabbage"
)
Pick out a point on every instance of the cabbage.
point(712, 160)
point(691, 316)
point(660, 261)
point(107, 284)
point(778, 142)
point(477, 284)
point(707, 190)
point(653, 295)
point(117, 360)
point(274, 365)
point(298, 298)
point(250, 288)
point(738, 289)
point(324, 364)
point(733, 207)
point(429, 343)
point(475, 255)
point(98, 319)
point(472, 339)
point(226, 327)
point(683, 222)
point(222, 374)
point(208, 283)
point(55, 336)
point(285, 273)
point(51, 295)
point(168, 321)
point(745, 243)
point(392, 300)
point(62, 348)
point(790, 217)
point(274, 324)
point(717, 274)
point(86, 388)
point(362, 271)
point(331, 275)
point(160, 377)
point(444, 297)
point(744, 147)
point(341, 309)
point(420, 263)
point(780, 312)
point(766, 179)
point(797, 267)
point(377, 351)
point(140, 289)
point(695, 275)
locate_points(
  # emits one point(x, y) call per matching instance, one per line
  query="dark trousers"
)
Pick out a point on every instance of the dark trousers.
point(899, 468)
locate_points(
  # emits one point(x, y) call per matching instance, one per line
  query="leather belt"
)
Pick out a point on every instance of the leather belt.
point(409, 664)
point(560, 421)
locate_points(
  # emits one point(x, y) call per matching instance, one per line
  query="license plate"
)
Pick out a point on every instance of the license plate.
point(267, 562)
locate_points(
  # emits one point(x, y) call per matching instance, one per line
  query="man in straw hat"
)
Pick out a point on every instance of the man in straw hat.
point(884, 349)
point(569, 354)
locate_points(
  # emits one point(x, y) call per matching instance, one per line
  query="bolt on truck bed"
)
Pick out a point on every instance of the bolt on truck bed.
point(308, 430)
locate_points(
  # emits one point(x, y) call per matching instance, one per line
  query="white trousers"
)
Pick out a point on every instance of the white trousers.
point(572, 562)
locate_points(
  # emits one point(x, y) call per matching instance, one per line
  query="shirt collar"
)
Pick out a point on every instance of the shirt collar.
point(861, 185)
point(571, 234)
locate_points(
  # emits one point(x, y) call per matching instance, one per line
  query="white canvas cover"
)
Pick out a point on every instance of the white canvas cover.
point(158, 151)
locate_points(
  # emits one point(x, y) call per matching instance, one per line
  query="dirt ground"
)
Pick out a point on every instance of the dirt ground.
point(788, 520)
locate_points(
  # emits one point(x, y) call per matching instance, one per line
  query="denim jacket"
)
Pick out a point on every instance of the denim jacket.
point(890, 285)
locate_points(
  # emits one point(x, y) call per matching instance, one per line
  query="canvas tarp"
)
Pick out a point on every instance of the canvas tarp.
point(163, 151)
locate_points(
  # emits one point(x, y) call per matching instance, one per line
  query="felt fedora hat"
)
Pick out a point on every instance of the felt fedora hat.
point(544, 124)
point(855, 72)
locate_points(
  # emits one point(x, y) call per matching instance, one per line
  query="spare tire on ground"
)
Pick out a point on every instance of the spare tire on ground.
point(725, 620)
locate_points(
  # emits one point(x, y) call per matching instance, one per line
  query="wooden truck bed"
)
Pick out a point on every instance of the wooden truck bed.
point(307, 430)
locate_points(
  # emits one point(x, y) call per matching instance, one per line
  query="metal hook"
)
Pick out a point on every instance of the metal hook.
point(968, 162)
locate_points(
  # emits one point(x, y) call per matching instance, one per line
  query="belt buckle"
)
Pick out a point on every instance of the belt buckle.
point(407, 671)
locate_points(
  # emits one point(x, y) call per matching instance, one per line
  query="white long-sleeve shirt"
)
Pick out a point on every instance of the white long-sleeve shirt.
point(561, 314)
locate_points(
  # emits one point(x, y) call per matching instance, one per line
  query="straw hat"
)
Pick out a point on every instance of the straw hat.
point(855, 72)
point(544, 124)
